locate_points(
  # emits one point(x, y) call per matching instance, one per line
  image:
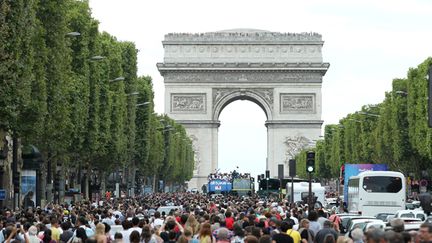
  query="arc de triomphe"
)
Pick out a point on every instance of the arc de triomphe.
point(280, 72)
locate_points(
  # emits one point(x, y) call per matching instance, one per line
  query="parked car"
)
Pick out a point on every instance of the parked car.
point(412, 205)
point(344, 220)
point(364, 224)
point(355, 219)
point(417, 213)
point(409, 224)
point(384, 216)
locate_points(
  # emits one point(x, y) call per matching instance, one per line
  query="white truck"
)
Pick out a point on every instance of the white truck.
point(301, 192)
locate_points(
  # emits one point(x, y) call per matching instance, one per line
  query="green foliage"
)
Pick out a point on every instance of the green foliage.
point(394, 132)
point(144, 133)
point(55, 95)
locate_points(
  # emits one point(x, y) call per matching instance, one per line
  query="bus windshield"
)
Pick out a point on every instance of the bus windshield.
point(380, 184)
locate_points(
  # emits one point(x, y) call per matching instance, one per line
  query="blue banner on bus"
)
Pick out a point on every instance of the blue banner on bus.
point(218, 185)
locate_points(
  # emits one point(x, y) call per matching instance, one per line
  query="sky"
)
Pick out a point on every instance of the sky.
point(368, 43)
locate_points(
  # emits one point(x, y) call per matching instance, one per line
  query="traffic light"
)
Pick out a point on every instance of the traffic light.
point(310, 161)
point(16, 182)
point(267, 173)
point(259, 178)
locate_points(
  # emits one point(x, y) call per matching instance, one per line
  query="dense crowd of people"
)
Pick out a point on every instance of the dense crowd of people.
point(198, 218)
point(228, 176)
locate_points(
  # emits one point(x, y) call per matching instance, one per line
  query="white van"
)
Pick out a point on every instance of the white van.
point(301, 191)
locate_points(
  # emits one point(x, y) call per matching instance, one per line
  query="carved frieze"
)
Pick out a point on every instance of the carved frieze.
point(297, 103)
point(188, 103)
point(197, 158)
point(265, 93)
point(294, 145)
point(243, 35)
point(253, 50)
point(243, 77)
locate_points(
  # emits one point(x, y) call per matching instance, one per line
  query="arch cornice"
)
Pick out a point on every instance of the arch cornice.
point(263, 97)
point(258, 67)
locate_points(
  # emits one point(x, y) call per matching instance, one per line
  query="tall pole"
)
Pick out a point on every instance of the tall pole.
point(267, 192)
point(292, 189)
point(15, 174)
point(430, 96)
point(310, 191)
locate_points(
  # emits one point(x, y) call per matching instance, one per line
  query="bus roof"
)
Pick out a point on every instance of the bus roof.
point(387, 173)
point(378, 173)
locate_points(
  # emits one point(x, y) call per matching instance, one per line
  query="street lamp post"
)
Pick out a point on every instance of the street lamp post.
point(368, 114)
point(165, 131)
point(401, 92)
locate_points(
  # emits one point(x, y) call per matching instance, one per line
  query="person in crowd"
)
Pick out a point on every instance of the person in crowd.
point(283, 237)
point(294, 234)
point(229, 220)
point(239, 233)
point(321, 218)
point(357, 235)
point(67, 232)
point(193, 224)
point(251, 239)
point(425, 232)
point(28, 200)
point(335, 219)
point(55, 229)
point(223, 236)
point(118, 237)
point(306, 235)
point(393, 237)
point(134, 237)
point(80, 236)
point(344, 239)
point(147, 235)
point(327, 233)
point(314, 226)
point(47, 237)
point(265, 239)
point(100, 233)
point(32, 235)
point(375, 236)
point(205, 235)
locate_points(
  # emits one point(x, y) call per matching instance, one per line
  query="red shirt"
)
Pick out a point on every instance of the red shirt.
point(229, 223)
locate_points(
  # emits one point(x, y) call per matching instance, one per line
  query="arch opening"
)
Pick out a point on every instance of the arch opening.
point(242, 95)
point(242, 130)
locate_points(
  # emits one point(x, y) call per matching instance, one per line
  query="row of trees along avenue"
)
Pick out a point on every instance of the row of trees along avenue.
point(393, 132)
point(73, 92)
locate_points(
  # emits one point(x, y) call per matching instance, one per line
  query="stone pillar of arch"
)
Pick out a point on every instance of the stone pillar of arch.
point(280, 72)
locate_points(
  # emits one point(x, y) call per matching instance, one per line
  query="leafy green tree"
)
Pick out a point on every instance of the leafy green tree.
point(143, 122)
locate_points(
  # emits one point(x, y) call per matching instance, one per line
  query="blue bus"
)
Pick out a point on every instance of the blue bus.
point(219, 186)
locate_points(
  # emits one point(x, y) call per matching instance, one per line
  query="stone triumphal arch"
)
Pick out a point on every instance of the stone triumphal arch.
point(280, 72)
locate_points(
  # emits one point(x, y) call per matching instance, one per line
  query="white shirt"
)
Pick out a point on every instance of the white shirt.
point(157, 222)
point(127, 233)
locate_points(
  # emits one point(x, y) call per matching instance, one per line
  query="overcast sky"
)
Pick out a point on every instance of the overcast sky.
point(367, 43)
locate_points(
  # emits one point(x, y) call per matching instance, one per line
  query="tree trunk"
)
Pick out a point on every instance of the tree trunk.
point(132, 184)
point(102, 183)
